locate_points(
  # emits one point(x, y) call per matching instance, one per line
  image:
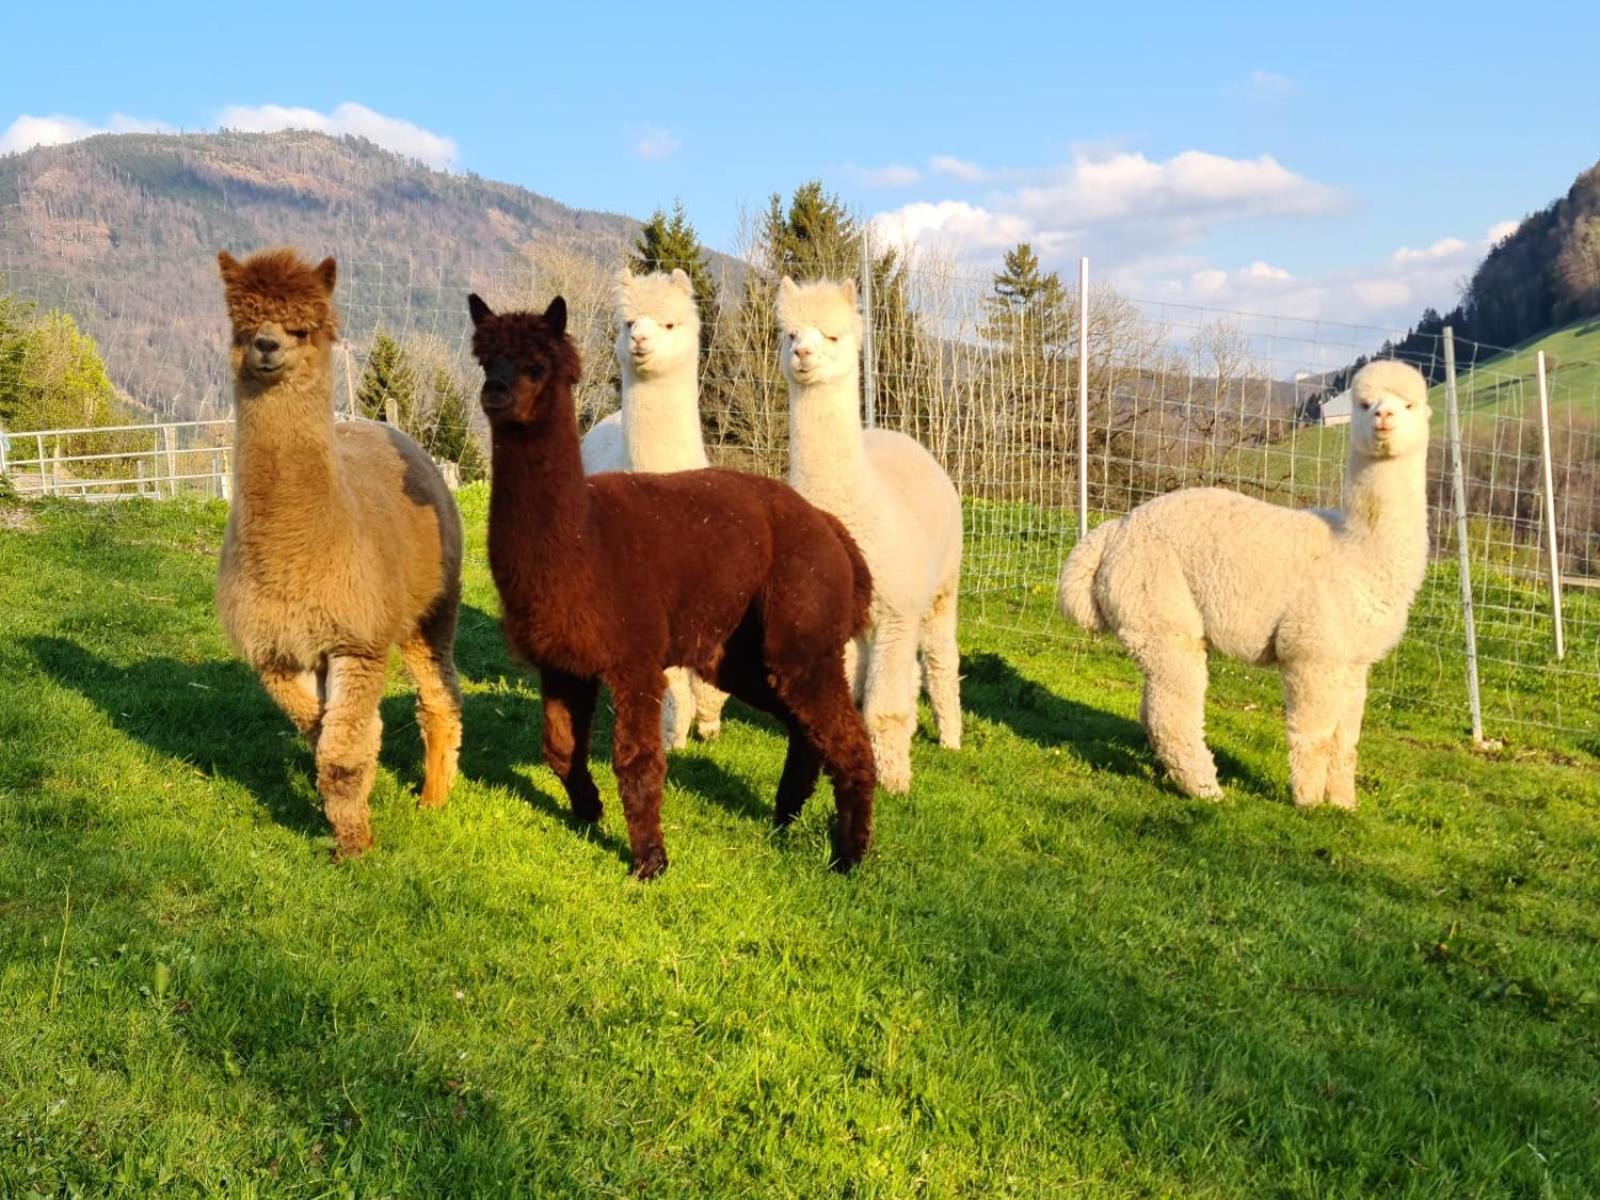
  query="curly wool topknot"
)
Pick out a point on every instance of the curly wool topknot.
point(278, 285)
point(523, 338)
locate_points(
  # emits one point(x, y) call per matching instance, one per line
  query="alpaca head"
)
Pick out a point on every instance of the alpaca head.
point(1389, 410)
point(282, 312)
point(529, 363)
point(819, 331)
point(658, 325)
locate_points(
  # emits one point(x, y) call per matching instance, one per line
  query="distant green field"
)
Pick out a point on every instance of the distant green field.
point(1053, 977)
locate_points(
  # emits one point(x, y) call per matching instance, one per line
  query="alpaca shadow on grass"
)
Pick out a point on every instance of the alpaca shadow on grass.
point(993, 689)
point(212, 715)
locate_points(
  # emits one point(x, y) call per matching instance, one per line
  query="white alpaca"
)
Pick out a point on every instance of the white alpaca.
point(658, 429)
point(1321, 595)
point(898, 504)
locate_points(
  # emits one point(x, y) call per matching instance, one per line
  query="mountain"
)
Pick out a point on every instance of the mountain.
point(122, 231)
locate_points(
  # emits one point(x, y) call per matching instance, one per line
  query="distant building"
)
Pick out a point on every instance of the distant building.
point(1336, 409)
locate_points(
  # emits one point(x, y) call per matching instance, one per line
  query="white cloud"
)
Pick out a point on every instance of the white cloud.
point(1268, 85)
point(28, 131)
point(891, 176)
point(1501, 230)
point(1122, 206)
point(952, 225)
point(391, 133)
point(968, 172)
point(656, 145)
point(1443, 248)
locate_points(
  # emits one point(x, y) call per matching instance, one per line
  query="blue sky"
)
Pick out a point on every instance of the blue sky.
point(1341, 161)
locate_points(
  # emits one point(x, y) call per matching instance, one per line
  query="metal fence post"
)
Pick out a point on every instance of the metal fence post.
point(869, 358)
point(1083, 398)
point(1458, 491)
point(1552, 546)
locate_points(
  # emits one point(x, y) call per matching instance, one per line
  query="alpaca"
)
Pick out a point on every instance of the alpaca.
point(1321, 595)
point(658, 429)
point(900, 506)
point(613, 578)
point(342, 541)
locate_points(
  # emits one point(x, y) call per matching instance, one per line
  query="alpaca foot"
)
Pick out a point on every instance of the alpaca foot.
point(709, 731)
point(351, 842)
point(1199, 789)
point(891, 752)
point(848, 851)
point(585, 800)
point(950, 741)
point(649, 864)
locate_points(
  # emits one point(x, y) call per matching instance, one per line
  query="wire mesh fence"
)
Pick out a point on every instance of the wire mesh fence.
point(1172, 396)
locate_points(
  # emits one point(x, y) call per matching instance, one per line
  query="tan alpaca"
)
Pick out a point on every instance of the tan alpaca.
point(342, 541)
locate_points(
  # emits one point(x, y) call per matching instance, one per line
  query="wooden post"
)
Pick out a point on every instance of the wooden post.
point(1551, 541)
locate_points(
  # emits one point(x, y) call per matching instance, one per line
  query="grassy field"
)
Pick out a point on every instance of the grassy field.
point(1054, 976)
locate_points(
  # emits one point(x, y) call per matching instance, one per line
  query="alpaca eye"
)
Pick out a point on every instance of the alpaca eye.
point(832, 337)
point(536, 371)
point(669, 326)
point(300, 335)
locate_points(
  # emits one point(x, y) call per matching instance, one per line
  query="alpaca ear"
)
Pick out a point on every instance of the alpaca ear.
point(228, 265)
point(624, 278)
point(328, 273)
point(556, 316)
point(786, 286)
point(480, 311)
point(849, 290)
point(681, 278)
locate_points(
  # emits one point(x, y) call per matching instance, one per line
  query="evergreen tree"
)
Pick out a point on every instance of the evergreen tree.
point(388, 384)
point(666, 243)
point(451, 437)
point(1027, 309)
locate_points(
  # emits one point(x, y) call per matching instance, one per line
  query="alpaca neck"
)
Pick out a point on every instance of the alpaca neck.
point(827, 460)
point(661, 421)
point(284, 455)
point(1385, 509)
point(538, 504)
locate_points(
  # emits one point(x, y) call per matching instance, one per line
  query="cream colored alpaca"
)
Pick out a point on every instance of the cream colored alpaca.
point(342, 540)
point(899, 505)
point(658, 429)
point(1321, 595)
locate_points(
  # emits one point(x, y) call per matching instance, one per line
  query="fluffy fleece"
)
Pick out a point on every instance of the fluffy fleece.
point(613, 578)
point(342, 541)
point(900, 506)
point(1321, 595)
point(658, 429)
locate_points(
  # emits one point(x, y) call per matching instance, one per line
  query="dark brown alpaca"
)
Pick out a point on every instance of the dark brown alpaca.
point(614, 578)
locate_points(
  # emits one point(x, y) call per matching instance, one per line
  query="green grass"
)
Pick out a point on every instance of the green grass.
point(1054, 976)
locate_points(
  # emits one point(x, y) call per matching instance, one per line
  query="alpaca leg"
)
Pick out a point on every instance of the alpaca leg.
point(430, 662)
point(856, 653)
point(677, 710)
point(299, 695)
point(1314, 695)
point(641, 769)
point(568, 719)
point(819, 699)
point(1342, 769)
point(1173, 711)
point(891, 706)
point(941, 667)
point(347, 751)
point(708, 702)
point(801, 766)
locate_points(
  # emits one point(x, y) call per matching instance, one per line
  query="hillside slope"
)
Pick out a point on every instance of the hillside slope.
point(122, 230)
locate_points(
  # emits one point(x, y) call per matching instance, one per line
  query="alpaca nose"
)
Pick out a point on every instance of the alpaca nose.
point(268, 345)
point(803, 353)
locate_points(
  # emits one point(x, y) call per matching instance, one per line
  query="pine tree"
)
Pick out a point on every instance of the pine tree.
point(451, 437)
point(388, 383)
point(666, 243)
point(1027, 309)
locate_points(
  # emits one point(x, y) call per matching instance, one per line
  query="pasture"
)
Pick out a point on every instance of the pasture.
point(1053, 976)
